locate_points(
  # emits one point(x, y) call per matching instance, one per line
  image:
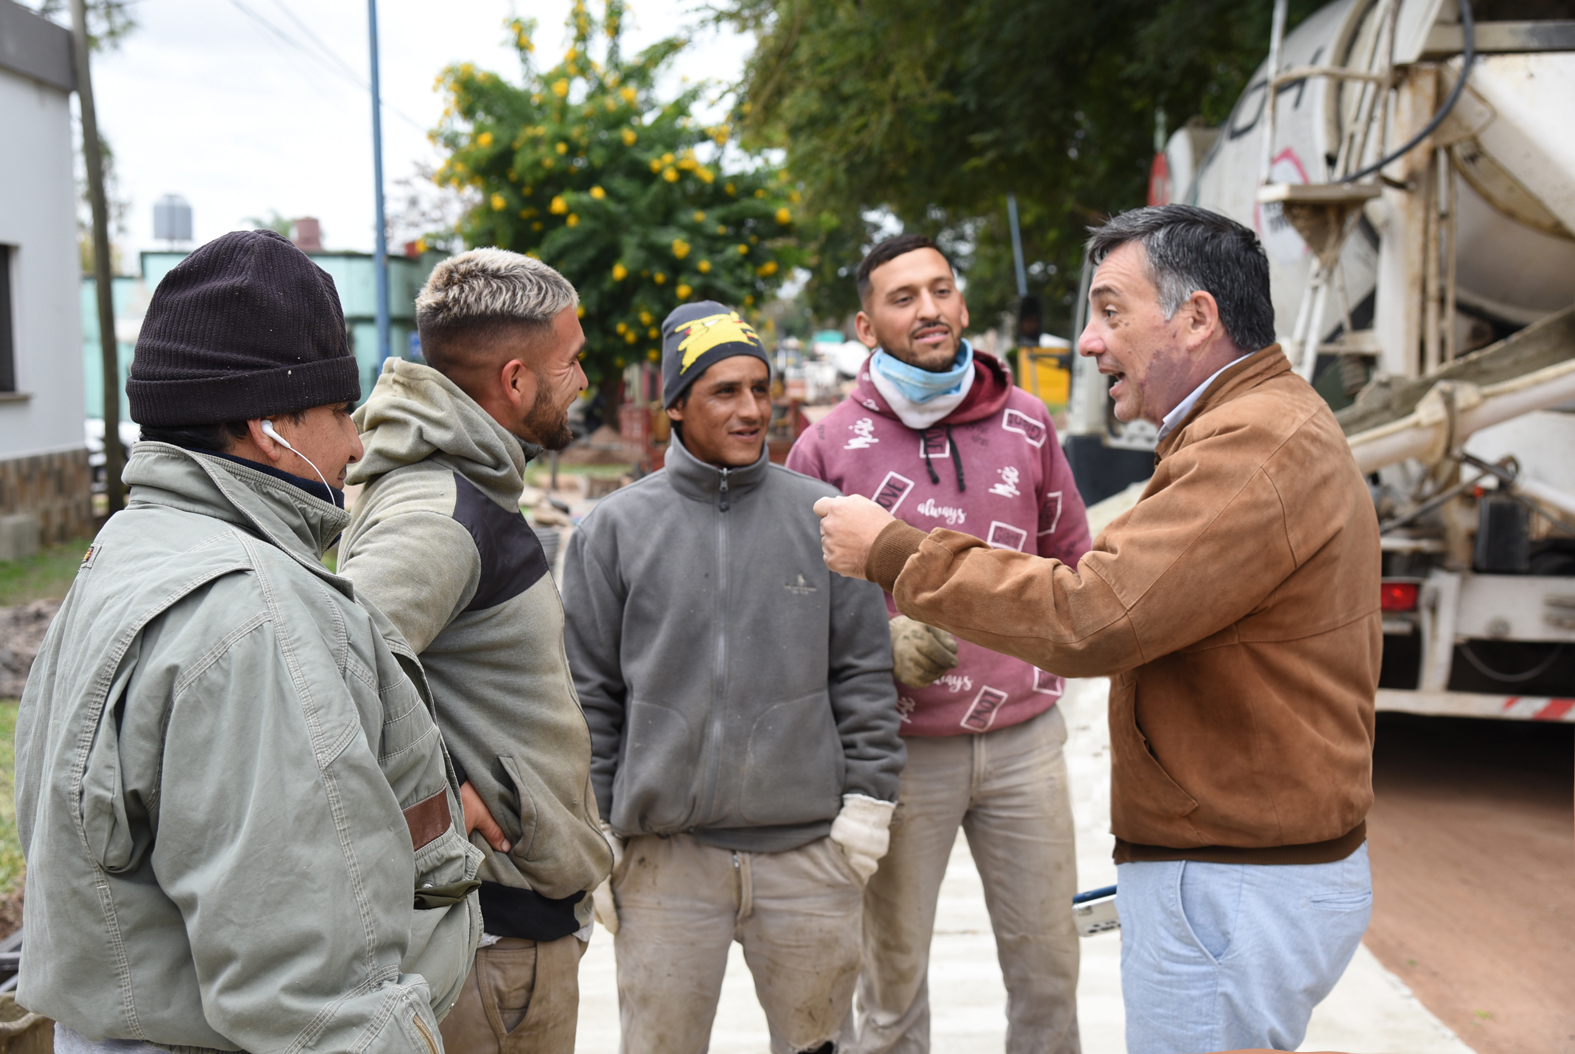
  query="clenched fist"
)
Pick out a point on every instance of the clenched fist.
point(848, 527)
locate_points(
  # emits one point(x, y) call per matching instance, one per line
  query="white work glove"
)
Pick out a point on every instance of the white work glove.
point(862, 832)
point(920, 653)
point(602, 897)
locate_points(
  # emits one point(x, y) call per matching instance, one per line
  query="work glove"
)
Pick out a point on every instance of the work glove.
point(920, 653)
point(862, 831)
point(602, 896)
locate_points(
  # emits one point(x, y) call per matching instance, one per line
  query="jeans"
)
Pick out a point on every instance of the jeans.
point(1225, 956)
point(69, 1041)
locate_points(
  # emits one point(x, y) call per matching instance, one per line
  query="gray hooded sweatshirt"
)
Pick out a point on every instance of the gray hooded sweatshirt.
point(736, 688)
point(214, 750)
point(437, 541)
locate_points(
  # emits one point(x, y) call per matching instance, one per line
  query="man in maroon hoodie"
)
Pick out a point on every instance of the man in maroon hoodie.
point(936, 434)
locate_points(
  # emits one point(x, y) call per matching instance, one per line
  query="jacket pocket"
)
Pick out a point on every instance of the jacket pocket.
point(442, 940)
point(1148, 806)
point(793, 765)
point(559, 852)
point(657, 786)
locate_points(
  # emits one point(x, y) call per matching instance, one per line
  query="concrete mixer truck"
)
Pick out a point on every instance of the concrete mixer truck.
point(1410, 168)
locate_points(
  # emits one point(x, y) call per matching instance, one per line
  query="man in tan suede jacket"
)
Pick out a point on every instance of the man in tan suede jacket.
point(1235, 609)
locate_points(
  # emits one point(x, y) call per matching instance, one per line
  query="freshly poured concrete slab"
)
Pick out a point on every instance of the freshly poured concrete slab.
point(1369, 1011)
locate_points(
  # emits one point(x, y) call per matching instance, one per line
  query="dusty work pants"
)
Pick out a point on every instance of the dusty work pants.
point(1007, 789)
point(682, 903)
point(522, 997)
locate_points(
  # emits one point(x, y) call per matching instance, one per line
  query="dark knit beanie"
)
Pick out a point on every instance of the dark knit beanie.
point(247, 326)
point(696, 335)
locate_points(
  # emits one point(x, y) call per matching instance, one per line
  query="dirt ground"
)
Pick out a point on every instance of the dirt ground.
point(1473, 849)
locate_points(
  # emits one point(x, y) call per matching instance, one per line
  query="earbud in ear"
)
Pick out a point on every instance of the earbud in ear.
point(272, 433)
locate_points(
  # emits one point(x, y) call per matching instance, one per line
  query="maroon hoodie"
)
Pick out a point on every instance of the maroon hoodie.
point(992, 468)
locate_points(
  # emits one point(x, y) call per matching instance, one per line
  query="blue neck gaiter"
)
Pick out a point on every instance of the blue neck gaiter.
point(920, 386)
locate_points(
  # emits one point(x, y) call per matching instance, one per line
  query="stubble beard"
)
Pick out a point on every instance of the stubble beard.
point(927, 359)
point(547, 424)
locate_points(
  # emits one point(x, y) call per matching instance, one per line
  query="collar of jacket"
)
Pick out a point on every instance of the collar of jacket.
point(699, 481)
point(415, 413)
point(987, 396)
point(1242, 375)
point(274, 509)
point(316, 488)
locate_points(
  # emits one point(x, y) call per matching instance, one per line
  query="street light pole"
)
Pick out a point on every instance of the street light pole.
point(380, 255)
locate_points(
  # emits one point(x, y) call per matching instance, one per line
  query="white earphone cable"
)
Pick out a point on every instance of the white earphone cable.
point(269, 431)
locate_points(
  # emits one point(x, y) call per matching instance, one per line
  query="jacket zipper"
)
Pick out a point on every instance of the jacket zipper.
point(719, 694)
point(421, 1027)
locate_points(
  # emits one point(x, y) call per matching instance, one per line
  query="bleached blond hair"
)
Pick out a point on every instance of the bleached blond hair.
point(468, 299)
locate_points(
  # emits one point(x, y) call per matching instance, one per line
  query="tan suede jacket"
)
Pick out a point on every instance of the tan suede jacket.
point(1235, 609)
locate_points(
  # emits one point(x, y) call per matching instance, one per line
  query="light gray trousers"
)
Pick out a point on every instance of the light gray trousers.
point(682, 903)
point(1007, 790)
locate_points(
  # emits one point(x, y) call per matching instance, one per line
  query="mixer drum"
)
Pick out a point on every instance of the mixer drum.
point(1514, 184)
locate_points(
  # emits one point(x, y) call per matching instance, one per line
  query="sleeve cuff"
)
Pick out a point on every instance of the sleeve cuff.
point(893, 545)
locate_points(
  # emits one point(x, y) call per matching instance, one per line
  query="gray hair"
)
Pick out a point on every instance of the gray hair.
point(1189, 249)
point(468, 299)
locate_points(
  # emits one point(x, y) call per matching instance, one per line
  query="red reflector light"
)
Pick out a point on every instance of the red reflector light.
point(1398, 596)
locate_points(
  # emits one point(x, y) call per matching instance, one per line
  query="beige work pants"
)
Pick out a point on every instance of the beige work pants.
point(522, 997)
point(1007, 789)
point(682, 903)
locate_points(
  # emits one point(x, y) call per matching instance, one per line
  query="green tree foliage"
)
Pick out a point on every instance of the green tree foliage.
point(936, 111)
point(637, 204)
point(274, 222)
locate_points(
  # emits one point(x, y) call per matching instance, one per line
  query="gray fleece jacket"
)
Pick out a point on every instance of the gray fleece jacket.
point(438, 543)
point(735, 688)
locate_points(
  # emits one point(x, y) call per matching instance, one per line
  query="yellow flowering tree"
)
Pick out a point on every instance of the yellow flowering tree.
point(637, 203)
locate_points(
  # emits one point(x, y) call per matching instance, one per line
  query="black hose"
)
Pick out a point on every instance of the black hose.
point(1468, 30)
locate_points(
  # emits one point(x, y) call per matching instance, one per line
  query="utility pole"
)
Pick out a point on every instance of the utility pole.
point(92, 156)
point(380, 255)
point(1017, 246)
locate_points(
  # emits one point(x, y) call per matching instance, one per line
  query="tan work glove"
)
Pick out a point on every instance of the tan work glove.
point(602, 896)
point(920, 653)
point(862, 830)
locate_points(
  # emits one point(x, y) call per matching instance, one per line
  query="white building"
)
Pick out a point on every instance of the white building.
point(43, 462)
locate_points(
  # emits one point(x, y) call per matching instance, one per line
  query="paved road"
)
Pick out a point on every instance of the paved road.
point(1369, 1011)
point(1473, 842)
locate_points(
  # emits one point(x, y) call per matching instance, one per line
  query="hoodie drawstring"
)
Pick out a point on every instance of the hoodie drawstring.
point(956, 460)
point(924, 448)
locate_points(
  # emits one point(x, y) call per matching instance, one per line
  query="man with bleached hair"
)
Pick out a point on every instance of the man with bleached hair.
point(438, 543)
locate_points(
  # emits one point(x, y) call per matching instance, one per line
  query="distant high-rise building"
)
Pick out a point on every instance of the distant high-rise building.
point(172, 219)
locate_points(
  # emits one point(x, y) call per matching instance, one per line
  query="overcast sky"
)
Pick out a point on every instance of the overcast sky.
point(204, 101)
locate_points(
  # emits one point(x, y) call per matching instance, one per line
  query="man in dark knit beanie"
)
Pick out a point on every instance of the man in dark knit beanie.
point(227, 768)
point(244, 330)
